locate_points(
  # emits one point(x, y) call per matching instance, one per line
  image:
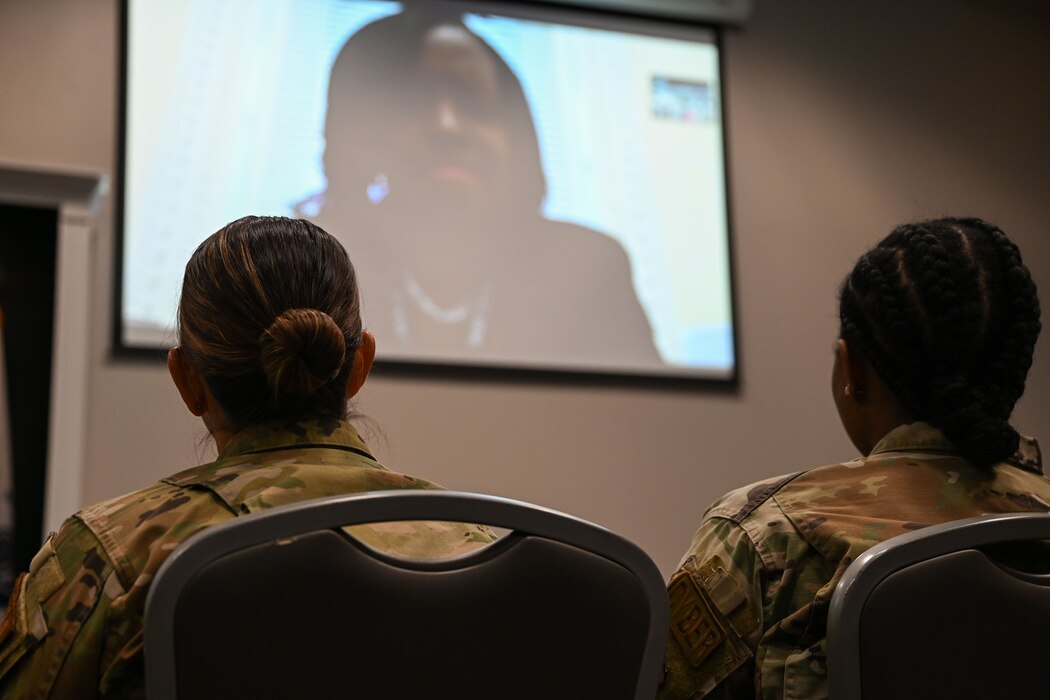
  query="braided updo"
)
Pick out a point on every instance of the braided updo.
point(270, 315)
point(948, 316)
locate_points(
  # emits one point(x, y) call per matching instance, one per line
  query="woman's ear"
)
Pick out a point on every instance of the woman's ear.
point(188, 381)
point(363, 358)
point(855, 372)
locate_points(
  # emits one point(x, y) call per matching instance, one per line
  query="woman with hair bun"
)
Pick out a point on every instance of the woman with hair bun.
point(271, 348)
point(938, 325)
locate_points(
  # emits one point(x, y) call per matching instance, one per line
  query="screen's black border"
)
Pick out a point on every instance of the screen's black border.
point(451, 371)
point(117, 349)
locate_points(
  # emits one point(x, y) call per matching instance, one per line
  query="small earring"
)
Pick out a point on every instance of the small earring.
point(846, 391)
point(378, 189)
point(200, 407)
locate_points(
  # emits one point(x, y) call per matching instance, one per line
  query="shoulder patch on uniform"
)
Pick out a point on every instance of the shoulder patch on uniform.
point(694, 624)
point(45, 571)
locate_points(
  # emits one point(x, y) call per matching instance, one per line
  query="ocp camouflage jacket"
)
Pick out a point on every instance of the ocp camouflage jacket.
point(749, 602)
point(74, 626)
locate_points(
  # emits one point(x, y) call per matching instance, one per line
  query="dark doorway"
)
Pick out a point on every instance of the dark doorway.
point(28, 238)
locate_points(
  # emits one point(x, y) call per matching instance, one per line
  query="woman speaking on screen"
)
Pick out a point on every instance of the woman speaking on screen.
point(434, 173)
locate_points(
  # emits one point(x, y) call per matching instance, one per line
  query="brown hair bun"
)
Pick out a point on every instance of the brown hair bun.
point(259, 367)
point(301, 351)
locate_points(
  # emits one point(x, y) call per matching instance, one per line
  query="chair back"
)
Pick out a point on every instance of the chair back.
point(957, 610)
point(285, 604)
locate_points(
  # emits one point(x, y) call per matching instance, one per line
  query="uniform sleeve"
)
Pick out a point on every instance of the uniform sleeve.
point(716, 601)
point(53, 632)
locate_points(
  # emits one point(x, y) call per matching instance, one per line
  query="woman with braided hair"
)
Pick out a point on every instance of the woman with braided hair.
point(938, 325)
point(271, 349)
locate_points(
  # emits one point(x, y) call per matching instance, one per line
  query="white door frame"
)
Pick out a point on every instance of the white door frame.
point(77, 195)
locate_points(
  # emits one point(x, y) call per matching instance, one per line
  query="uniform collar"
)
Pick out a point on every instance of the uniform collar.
point(923, 437)
point(913, 437)
point(285, 434)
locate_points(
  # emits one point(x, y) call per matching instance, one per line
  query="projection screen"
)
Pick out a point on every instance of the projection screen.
point(517, 186)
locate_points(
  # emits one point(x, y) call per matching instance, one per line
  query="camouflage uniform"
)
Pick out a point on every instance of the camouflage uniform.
point(74, 625)
point(749, 602)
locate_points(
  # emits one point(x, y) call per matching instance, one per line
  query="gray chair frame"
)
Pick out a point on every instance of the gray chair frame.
point(895, 554)
point(390, 506)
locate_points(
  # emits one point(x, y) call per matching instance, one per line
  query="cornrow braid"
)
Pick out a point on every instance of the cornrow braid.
point(948, 317)
point(862, 319)
point(948, 289)
point(1011, 359)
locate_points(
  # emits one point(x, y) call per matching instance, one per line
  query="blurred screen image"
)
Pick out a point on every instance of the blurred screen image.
point(517, 187)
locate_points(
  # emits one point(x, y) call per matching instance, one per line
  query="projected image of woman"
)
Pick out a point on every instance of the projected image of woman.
point(435, 184)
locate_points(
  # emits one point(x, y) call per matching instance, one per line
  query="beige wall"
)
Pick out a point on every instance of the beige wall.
point(843, 121)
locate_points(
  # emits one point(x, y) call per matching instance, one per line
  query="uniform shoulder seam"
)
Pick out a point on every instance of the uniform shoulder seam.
point(95, 518)
point(756, 495)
